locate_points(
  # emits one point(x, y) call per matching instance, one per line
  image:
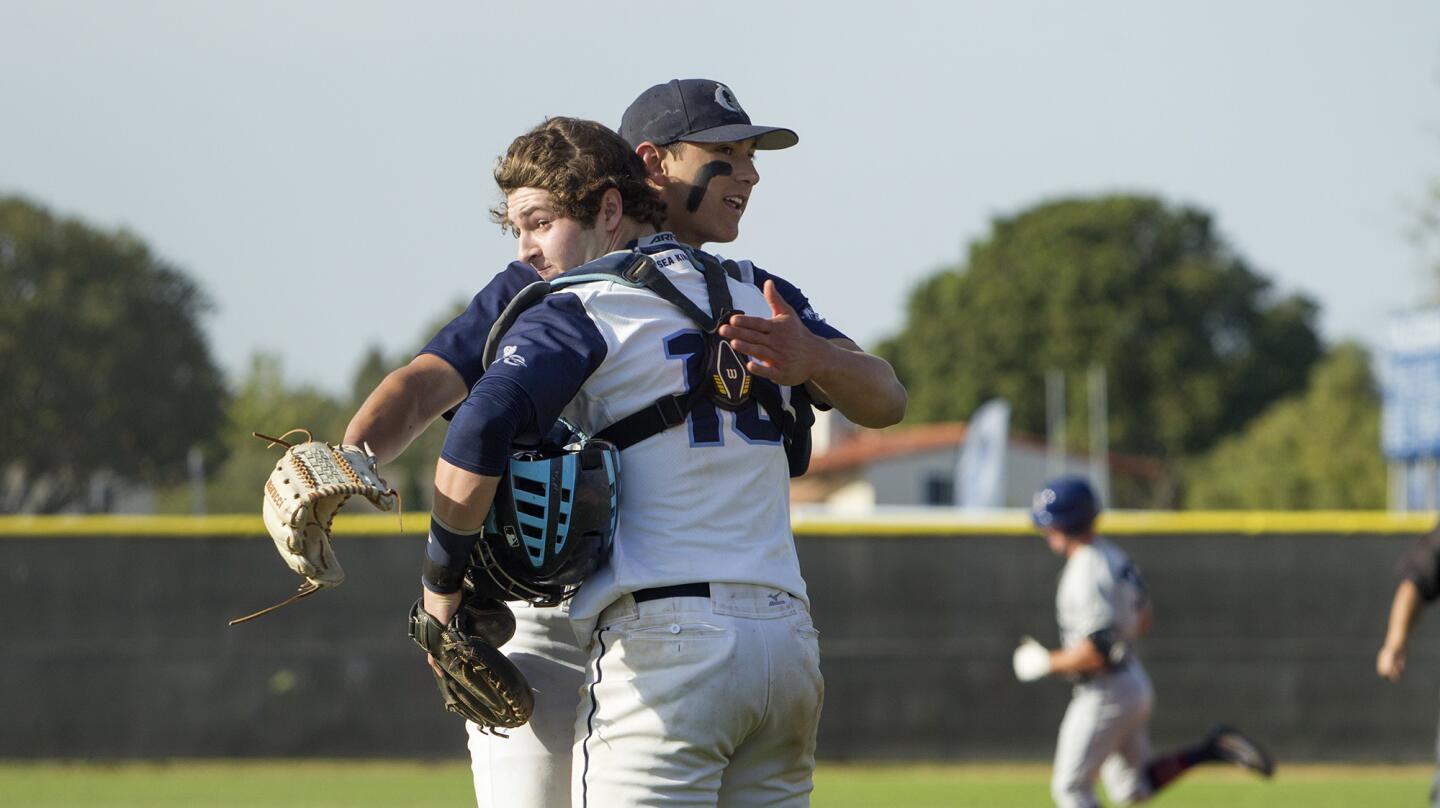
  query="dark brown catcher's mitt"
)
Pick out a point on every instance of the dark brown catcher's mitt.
point(478, 682)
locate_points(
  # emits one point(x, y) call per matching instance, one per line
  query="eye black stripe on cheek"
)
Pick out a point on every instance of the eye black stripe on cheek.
point(708, 172)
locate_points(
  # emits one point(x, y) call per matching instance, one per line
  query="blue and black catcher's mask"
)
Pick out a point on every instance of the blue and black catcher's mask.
point(552, 524)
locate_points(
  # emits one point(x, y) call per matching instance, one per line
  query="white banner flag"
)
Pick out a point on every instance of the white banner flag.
point(980, 472)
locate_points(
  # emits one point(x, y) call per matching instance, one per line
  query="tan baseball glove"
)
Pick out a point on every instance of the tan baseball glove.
point(308, 487)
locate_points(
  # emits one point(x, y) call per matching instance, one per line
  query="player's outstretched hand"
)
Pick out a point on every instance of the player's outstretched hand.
point(1031, 660)
point(1390, 663)
point(780, 347)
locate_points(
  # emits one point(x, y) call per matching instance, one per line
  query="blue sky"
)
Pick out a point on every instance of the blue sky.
point(325, 165)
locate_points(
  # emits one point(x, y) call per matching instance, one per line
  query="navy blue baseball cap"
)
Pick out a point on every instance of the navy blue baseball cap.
point(1066, 503)
point(697, 111)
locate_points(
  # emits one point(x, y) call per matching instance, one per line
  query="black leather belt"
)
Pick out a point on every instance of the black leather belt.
point(676, 591)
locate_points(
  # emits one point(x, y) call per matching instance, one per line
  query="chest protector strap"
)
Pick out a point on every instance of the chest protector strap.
point(727, 383)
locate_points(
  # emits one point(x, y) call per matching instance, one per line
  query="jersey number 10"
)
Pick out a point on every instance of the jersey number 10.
point(704, 420)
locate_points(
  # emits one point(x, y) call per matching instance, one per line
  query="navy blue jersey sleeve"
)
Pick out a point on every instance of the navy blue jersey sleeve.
point(487, 424)
point(550, 352)
point(800, 303)
point(461, 343)
point(545, 357)
point(1421, 566)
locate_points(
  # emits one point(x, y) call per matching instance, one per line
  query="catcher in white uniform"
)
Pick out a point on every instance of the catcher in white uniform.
point(704, 571)
point(531, 768)
point(1103, 610)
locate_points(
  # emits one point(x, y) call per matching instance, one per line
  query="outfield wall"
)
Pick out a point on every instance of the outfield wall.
point(114, 644)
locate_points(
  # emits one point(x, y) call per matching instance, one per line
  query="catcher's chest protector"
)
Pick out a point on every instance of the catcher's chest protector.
point(729, 384)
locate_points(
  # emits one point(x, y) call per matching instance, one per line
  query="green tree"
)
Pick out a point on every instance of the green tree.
point(413, 472)
point(104, 365)
point(1194, 342)
point(1318, 449)
point(261, 403)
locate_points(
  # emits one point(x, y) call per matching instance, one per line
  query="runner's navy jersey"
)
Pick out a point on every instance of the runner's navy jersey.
point(707, 500)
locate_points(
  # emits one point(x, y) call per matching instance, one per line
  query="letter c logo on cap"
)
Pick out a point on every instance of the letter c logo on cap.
point(726, 99)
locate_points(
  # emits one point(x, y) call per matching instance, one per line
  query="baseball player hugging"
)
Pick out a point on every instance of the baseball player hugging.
point(1103, 610)
point(643, 342)
point(643, 347)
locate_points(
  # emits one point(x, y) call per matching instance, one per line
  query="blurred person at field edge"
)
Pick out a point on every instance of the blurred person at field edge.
point(1419, 585)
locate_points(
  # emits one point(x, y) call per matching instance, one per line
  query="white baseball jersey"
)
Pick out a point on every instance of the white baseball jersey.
point(1099, 589)
point(531, 768)
point(664, 715)
point(707, 501)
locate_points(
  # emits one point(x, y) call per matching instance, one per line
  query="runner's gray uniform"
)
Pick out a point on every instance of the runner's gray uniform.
point(1105, 731)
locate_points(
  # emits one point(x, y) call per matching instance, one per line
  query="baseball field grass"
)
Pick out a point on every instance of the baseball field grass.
point(287, 784)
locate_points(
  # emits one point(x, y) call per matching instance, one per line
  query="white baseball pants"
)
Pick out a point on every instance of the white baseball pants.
point(694, 701)
point(531, 768)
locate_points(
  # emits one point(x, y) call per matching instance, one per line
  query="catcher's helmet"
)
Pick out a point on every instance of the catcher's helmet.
point(552, 523)
point(1066, 503)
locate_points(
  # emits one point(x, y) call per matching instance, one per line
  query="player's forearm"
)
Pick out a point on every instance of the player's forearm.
point(462, 500)
point(387, 423)
point(1404, 611)
point(863, 387)
point(462, 497)
point(403, 405)
point(1078, 659)
point(441, 607)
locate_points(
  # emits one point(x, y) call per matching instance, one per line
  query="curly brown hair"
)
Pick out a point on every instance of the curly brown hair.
point(576, 161)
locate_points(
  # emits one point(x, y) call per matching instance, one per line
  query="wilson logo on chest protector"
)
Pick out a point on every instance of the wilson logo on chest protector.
point(731, 379)
point(722, 378)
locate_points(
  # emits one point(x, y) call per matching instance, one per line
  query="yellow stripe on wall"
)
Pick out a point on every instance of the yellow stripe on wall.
point(1263, 522)
point(907, 523)
point(1134, 523)
point(194, 526)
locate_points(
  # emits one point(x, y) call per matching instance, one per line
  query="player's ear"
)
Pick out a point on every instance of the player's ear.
point(654, 160)
point(612, 209)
